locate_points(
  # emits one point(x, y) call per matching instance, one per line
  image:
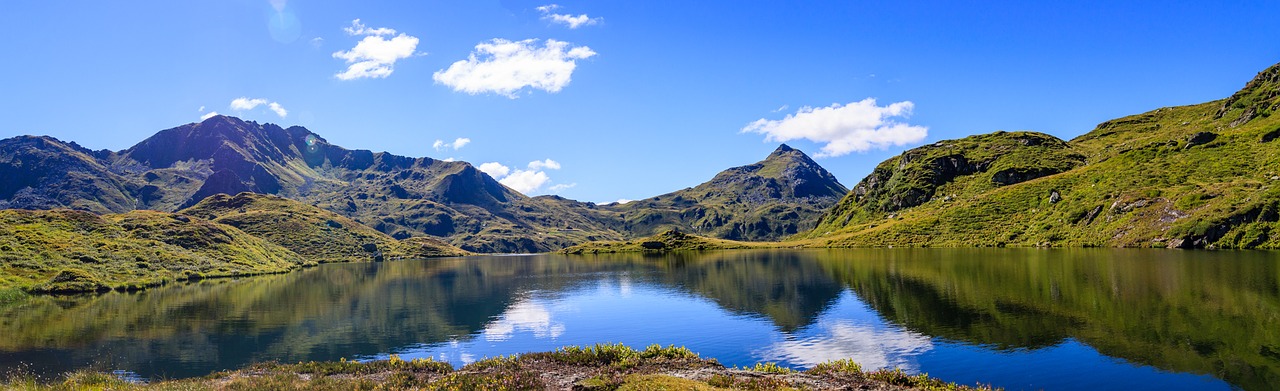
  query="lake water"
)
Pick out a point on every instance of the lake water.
point(1013, 318)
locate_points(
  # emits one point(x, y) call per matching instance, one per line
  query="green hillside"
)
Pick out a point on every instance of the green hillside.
point(316, 234)
point(672, 240)
point(1205, 175)
point(74, 251)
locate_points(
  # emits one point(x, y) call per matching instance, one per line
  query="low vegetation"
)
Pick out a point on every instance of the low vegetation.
point(316, 234)
point(599, 367)
point(672, 240)
point(63, 251)
point(1199, 176)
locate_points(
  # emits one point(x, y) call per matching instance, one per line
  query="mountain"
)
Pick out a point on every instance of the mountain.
point(399, 196)
point(777, 197)
point(46, 173)
point(1205, 175)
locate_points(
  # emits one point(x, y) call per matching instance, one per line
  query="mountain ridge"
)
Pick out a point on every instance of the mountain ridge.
point(400, 196)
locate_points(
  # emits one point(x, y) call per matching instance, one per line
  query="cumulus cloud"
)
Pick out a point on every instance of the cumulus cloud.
point(278, 109)
point(547, 164)
point(243, 104)
point(570, 21)
point(854, 127)
point(358, 28)
point(562, 186)
point(208, 115)
point(504, 67)
point(457, 143)
point(375, 55)
point(525, 181)
point(495, 169)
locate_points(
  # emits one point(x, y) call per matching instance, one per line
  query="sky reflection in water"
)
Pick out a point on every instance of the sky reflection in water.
point(1019, 319)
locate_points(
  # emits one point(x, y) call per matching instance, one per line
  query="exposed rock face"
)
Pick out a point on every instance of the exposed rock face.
point(45, 173)
point(1200, 138)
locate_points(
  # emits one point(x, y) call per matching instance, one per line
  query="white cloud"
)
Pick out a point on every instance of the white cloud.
point(243, 103)
point(317, 42)
point(457, 143)
point(855, 127)
point(374, 56)
point(571, 21)
point(547, 164)
point(208, 115)
point(201, 109)
point(358, 28)
point(621, 201)
point(495, 169)
point(781, 108)
point(505, 67)
point(525, 181)
point(562, 186)
point(276, 107)
point(450, 159)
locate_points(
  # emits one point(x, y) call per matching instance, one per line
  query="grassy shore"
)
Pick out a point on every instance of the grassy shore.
point(599, 367)
point(672, 240)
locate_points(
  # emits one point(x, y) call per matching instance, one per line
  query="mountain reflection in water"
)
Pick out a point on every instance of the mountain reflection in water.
point(1018, 318)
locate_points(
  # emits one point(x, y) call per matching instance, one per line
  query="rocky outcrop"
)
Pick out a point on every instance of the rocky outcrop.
point(911, 179)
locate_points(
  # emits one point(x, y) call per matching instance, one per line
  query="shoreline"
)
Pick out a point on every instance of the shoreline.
point(598, 367)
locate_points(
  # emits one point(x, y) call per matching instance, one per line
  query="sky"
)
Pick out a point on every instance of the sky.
point(619, 100)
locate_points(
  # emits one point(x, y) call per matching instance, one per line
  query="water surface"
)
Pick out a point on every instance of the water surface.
point(1014, 318)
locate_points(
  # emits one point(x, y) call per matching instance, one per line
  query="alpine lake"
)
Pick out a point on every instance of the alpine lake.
point(1011, 318)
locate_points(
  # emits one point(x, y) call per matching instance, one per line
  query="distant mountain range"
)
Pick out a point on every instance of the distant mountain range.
point(400, 196)
point(1205, 175)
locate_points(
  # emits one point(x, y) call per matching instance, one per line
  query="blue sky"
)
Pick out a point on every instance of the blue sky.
point(634, 99)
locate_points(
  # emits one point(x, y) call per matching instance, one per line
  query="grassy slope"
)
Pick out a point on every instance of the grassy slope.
point(602, 367)
point(769, 200)
point(1145, 183)
point(667, 241)
point(63, 251)
point(316, 234)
